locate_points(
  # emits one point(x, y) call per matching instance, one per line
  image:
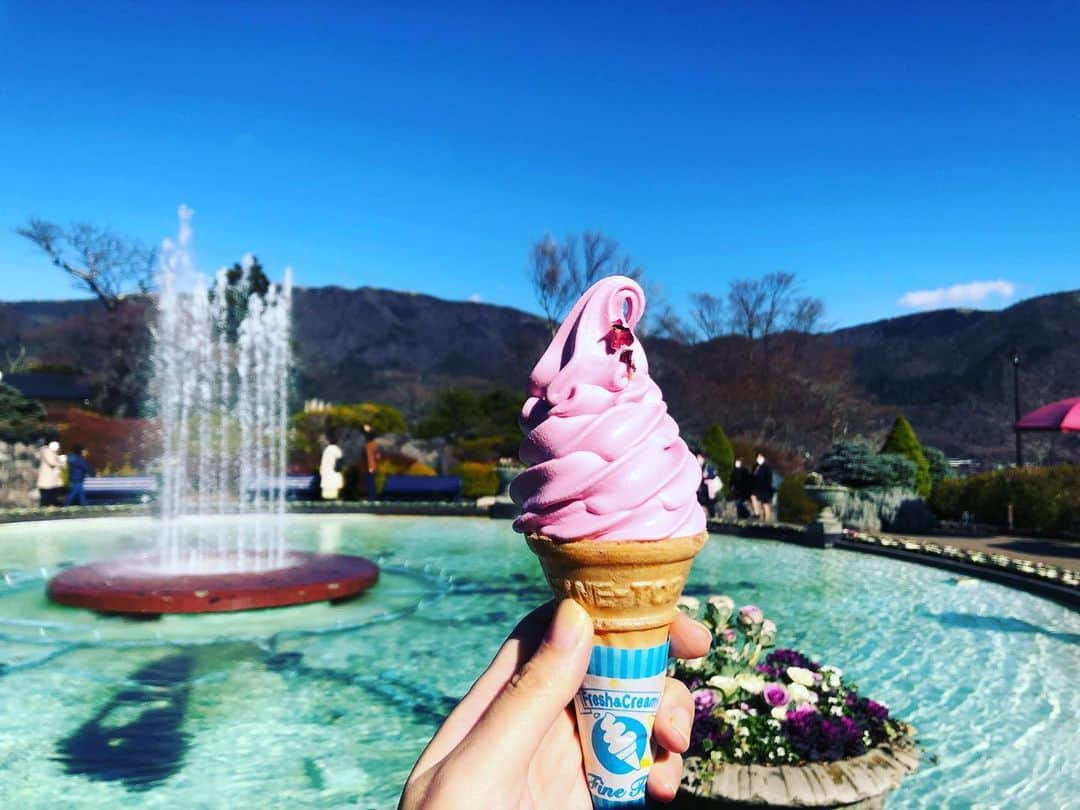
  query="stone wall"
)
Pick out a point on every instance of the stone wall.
point(18, 475)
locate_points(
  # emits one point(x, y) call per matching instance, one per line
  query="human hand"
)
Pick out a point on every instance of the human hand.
point(512, 742)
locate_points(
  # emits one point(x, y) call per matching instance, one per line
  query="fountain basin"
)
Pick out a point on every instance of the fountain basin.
point(135, 585)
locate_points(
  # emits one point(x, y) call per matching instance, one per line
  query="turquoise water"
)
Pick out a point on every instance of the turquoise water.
point(328, 706)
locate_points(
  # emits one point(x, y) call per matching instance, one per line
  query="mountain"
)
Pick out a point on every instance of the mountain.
point(948, 371)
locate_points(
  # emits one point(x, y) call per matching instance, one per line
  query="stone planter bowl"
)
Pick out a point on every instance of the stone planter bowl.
point(859, 783)
point(826, 496)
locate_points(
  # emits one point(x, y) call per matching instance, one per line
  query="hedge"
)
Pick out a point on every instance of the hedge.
point(1045, 499)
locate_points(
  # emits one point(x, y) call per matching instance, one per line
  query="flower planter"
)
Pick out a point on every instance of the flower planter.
point(858, 783)
point(823, 531)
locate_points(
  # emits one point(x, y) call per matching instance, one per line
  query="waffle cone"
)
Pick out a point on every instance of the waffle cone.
point(629, 587)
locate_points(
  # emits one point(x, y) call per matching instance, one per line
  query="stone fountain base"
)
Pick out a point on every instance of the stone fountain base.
point(133, 585)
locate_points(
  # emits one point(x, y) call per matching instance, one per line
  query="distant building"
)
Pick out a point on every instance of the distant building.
point(51, 389)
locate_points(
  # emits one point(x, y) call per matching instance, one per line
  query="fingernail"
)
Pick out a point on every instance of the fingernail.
point(569, 627)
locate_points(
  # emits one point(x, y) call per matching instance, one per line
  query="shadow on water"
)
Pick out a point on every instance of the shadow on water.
point(136, 738)
point(998, 624)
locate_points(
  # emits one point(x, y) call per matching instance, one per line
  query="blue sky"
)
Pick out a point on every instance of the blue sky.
point(879, 151)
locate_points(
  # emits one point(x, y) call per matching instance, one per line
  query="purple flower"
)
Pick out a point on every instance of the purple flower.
point(775, 694)
point(704, 700)
point(778, 661)
point(818, 738)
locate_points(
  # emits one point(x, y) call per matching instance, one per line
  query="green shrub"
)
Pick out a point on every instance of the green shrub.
point(903, 441)
point(477, 478)
point(718, 450)
point(794, 505)
point(855, 464)
point(1044, 498)
point(939, 465)
point(463, 412)
point(388, 464)
point(488, 448)
point(306, 430)
point(22, 419)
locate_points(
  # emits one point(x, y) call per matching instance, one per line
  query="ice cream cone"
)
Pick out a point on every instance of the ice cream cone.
point(630, 588)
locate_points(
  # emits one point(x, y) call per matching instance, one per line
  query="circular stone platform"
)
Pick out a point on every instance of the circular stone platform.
point(131, 585)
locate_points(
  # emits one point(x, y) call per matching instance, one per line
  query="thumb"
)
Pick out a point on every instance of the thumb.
point(531, 701)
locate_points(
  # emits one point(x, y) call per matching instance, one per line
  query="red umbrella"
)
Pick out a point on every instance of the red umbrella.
point(1063, 415)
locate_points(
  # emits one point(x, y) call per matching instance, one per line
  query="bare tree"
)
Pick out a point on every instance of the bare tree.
point(708, 314)
point(560, 273)
point(666, 323)
point(105, 264)
point(806, 314)
point(111, 267)
point(759, 308)
point(746, 300)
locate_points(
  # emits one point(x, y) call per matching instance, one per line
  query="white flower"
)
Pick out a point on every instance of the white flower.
point(744, 731)
point(724, 683)
point(738, 753)
point(780, 751)
point(733, 716)
point(751, 683)
point(800, 694)
point(800, 676)
point(779, 712)
point(688, 604)
point(694, 664)
point(836, 710)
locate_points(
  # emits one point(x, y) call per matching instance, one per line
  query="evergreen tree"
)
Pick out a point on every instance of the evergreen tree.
point(855, 464)
point(939, 465)
point(719, 451)
point(21, 419)
point(903, 441)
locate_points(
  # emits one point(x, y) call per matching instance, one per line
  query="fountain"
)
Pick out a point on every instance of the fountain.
point(221, 368)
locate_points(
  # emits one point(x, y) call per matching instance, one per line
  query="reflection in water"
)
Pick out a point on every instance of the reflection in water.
point(136, 738)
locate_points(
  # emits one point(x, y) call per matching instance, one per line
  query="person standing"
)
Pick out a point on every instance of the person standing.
point(50, 473)
point(710, 487)
point(371, 457)
point(762, 493)
point(79, 470)
point(741, 488)
point(330, 478)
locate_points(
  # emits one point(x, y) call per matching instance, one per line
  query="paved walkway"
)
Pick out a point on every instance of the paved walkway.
point(1062, 553)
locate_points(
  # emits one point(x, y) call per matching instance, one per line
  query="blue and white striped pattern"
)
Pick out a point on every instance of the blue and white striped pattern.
point(612, 804)
point(616, 662)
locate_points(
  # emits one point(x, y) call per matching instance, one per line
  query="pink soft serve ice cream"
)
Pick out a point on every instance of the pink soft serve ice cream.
point(605, 458)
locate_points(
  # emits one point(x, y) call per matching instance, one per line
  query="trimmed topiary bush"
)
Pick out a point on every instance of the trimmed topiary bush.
point(903, 441)
point(793, 504)
point(717, 447)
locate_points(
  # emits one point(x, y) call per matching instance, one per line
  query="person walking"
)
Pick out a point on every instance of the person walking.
point(330, 478)
point(79, 470)
point(762, 492)
point(741, 487)
point(710, 487)
point(371, 457)
point(50, 474)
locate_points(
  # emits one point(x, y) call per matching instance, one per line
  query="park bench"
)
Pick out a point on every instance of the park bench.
point(120, 489)
point(297, 487)
point(422, 488)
